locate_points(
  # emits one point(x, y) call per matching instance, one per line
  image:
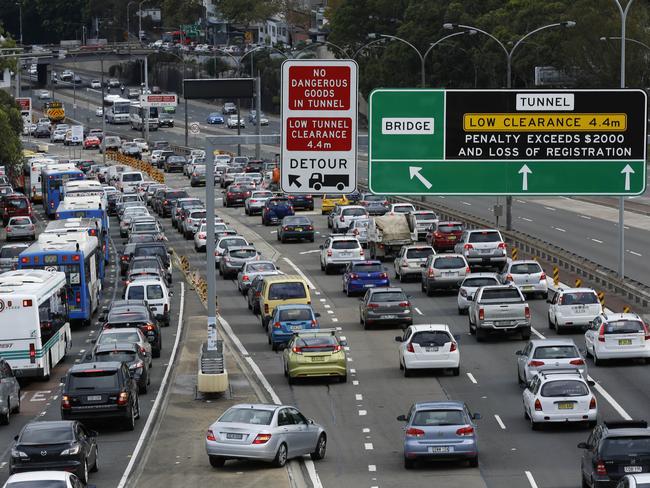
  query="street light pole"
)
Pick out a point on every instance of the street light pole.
point(422, 59)
point(509, 55)
point(623, 11)
point(20, 16)
point(128, 19)
point(140, 20)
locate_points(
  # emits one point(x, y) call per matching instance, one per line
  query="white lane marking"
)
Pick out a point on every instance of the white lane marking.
point(310, 252)
point(363, 413)
point(466, 203)
point(559, 229)
point(355, 382)
point(471, 378)
point(323, 299)
point(635, 253)
point(365, 430)
point(273, 232)
point(597, 240)
point(537, 333)
point(418, 311)
point(500, 422)
point(327, 306)
point(156, 405)
point(550, 208)
point(586, 217)
point(299, 271)
point(531, 480)
point(526, 219)
point(372, 467)
point(358, 397)
point(334, 319)
point(330, 311)
point(353, 371)
point(368, 446)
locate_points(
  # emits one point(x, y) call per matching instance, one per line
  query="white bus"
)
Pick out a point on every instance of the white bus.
point(116, 109)
point(137, 114)
point(85, 188)
point(36, 166)
point(34, 325)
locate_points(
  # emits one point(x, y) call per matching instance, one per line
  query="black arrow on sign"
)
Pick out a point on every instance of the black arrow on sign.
point(294, 180)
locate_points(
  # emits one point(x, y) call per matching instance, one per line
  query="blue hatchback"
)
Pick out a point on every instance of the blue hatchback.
point(288, 319)
point(275, 209)
point(440, 430)
point(361, 275)
point(215, 118)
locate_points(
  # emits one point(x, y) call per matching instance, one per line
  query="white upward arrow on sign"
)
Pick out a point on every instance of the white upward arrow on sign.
point(627, 171)
point(525, 171)
point(414, 171)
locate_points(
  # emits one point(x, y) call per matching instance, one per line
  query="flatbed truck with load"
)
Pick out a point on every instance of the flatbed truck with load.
point(387, 234)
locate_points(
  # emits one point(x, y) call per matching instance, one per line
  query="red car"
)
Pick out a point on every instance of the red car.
point(445, 235)
point(91, 142)
point(16, 205)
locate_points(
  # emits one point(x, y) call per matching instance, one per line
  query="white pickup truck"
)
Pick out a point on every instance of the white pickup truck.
point(501, 308)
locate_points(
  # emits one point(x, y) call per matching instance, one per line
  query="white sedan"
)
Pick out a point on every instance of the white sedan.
point(232, 122)
point(617, 336)
point(44, 95)
point(99, 111)
point(96, 84)
point(428, 346)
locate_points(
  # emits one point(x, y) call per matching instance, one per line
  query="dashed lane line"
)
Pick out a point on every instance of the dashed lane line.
point(471, 378)
point(499, 421)
point(531, 480)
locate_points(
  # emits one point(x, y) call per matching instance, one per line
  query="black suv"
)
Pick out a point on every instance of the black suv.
point(613, 450)
point(174, 163)
point(98, 391)
point(164, 207)
point(155, 248)
point(134, 313)
point(128, 352)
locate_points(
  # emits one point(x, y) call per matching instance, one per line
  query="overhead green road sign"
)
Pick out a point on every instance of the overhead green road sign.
point(507, 142)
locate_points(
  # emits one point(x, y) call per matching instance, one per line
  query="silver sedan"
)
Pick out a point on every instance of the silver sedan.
point(20, 228)
point(252, 269)
point(271, 433)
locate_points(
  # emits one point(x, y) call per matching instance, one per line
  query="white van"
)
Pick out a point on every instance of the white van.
point(155, 293)
point(128, 181)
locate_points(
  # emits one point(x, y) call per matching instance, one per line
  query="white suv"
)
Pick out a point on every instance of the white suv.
point(573, 307)
point(338, 251)
point(346, 215)
point(410, 261)
point(482, 247)
point(428, 346)
point(617, 335)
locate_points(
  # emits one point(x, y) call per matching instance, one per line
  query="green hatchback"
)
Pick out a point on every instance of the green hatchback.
point(315, 353)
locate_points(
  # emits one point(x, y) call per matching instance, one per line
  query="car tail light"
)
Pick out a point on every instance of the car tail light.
point(142, 350)
point(647, 333)
point(277, 325)
point(32, 353)
point(383, 276)
point(296, 350)
point(431, 272)
point(502, 245)
point(266, 308)
point(538, 405)
point(310, 227)
point(468, 246)
point(8, 229)
point(600, 468)
point(149, 327)
point(202, 235)
point(577, 362)
point(314, 324)
point(437, 235)
point(31, 227)
point(373, 305)
point(404, 304)
point(467, 430)
point(165, 202)
point(453, 347)
point(601, 333)
point(77, 297)
point(535, 364)
point(123, 399)
point(362, 253)
point(467, 270)
point(463, 292)
point(592, 403)
point(65, 402)
point(561, 301)
point(354, 276)
point(413, 432)
point(481, 314)
point(527, 312)
point(245, 278)
point(329, 252)
point(210, 436)
point(542, 277)
point(166, 308)
point(509, 277)
point(262, 438)
point(409, 347)
point(124, 258)
point(341, 218)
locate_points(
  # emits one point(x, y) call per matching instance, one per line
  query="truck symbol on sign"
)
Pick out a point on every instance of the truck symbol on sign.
point(318, 180)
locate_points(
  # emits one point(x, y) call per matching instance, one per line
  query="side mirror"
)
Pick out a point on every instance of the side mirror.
point(584, 445)
point(591, 383)
point(401, 418)
point(320, 247)
point(15, 437)
point(93, 433)
point(170, 252)
point(316, 314)
point(458, 337)
point(476, 416)
point(549, 299)
point(519, 353)
point(62, 379)
point(343, 343)
point(398, 339)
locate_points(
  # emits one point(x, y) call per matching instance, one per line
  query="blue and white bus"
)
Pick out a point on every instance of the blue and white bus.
point(85, 188)
point(93, 227)
point(53, 177)
point(77, 255)
point(87, 208)
point(34, 324)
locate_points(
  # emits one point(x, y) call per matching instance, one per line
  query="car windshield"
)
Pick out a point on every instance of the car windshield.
point(388, 296)
point(260, 267)
point(49, 435)
point(527, 268)
point(351, 244)
point(94, 379)
point(135, 293)
point(11, 252)
point(198, 215)
point(403, 208)
point(374, 198)
point(556, 352)
point(367, 268)
point(579, 298)
point(155, 292)
point(233, 241)
point(353, 212)
point(449, 263)
point(20, 221)
point(176, 194)
point(129, 177)
point(419, 253)
point(429, 338)
point(121, 315)
point(41, 484)
point(438, 418)
point(613, 447)
point(247, 416)
point(278, 203)
point(118, 337)
point(564, 388)
point(485, 236)
point(316, 343)
point(242, 253)
point(147, 227)
point(287, 290)
point(501, 294)
point(623, 327)
point(261, 194)
point(297, 221)
point(478, 282)
point(120, 356)
point(295, 314)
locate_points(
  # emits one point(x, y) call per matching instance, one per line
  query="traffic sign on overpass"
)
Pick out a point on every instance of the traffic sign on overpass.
point(319, 126)
point(161, 100)
point(507, 142)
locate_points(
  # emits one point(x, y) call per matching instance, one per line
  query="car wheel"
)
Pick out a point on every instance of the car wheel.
point(17, 409)
point(217, 461)
point(520, 382)
point(321, 448)
point(429, 290)
point(551, 325)
point(343, 379)
point(143, 389)
point(4, 419)
point(584, 482)
point(597, 361)
point(409, 463)
point(455, 371)
point(534, 425)
point(155, 352)
point(407, 372)
point(461, 311)
point(473, 462)
point(130, 421)
point(281, 456)
point(83, 472)
point(525, 334)
point(480, 335)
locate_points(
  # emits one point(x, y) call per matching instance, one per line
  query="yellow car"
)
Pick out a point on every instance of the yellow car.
point(315, 353)
point(330, 201)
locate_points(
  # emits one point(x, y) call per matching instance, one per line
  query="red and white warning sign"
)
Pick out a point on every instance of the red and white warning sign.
point(319, 126)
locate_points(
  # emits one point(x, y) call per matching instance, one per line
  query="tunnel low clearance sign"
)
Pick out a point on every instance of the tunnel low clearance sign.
point(507, 142)
point(319, 126)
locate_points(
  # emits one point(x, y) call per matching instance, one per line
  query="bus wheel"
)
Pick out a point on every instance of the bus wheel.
point(46, 377)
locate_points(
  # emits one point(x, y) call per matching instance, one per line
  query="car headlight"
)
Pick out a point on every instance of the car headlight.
point(18, 454)
point(71, 451)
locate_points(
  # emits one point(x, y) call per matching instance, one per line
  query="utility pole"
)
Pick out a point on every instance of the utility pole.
point(101, 61)
point(258, 114)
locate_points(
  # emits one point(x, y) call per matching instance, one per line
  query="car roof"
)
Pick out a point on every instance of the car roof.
point(115, 346)
point(472, 231)
point(90, 365)
point(120, 330)
point(524, 261)
point(39, 476)
point(621, 316)
point(482, 275)
point(552, 342)
point(146, 281)
point(366, 261)
point(47, 424)
point(261, 406)
point(422, 327)
point(440, 405)
point(293, 306)
point(385, 289)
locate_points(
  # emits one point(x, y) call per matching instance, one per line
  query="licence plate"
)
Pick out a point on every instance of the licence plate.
point(233, 436)
point(565, 406)
point(296, 327)
point(449, 273)
point(527, 288)
point(368, 285)
point(440, 449)
point(316, 359)
point(452, 238)
point(93, 398)
point(390, 316)
point(579, 309)
point(298, 229)
point(504, 322)
point(485, 251)
point(633, 469)
point(625, 342)
point(344, 254)
point(431, 349)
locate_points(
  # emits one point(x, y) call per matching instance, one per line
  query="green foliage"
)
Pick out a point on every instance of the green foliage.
point(248, 11)
point(11, 125)
point(184, 12)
